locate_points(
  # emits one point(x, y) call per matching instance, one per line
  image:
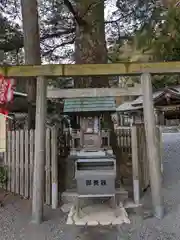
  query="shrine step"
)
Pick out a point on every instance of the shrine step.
point(69, 196)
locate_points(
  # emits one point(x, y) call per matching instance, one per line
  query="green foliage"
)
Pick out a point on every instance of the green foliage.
point(3, 175)
point(162, 36)
point(10, 35)
point(59, 82)
point(165, 80)
point(166, 45)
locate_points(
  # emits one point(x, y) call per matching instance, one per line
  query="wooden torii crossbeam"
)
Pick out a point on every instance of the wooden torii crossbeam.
point(110, 69)
point(94, 92)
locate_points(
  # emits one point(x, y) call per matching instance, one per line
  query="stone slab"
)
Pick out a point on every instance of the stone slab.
point(98, 214)
point(70, 196)
point(66, 207)
point(130, 204)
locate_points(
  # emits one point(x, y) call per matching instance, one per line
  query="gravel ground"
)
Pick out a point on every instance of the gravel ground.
point(15, 215)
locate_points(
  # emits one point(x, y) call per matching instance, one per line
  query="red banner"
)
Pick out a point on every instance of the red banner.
point(6, 90)
point(6, 93)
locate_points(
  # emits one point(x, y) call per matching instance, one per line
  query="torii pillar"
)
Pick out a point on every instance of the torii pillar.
point(152, 146)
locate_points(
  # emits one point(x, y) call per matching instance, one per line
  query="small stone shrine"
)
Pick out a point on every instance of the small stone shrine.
point(91, 163)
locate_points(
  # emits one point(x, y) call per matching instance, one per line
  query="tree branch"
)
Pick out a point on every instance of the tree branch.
point(90, 7)
point(50, 52)
point(57, 34)
point(16, 42)
point(80, 21)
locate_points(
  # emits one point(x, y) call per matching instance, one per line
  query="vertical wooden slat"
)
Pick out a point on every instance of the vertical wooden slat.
point(125, 133)
point(161, 149)
point(124, 139)
point(6, 152)
point(108, 138)
point(9, 161)
point(26, 145)
point(135, 165)
point(54, 173)
point(118, 137)
point(22, 162)
point(6, 157)
point(31, 156)
point(159, 144)
point(47, 167)
point(121, 139)
point(127, 140)
point(17, 162)
point(130, 145)
point(146, 160)
point(143, 160)
point(13, 170)
point(140, 145)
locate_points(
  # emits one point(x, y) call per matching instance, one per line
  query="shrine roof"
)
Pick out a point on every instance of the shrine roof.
point(90, 104)
point(138, 102)
point(127, 106)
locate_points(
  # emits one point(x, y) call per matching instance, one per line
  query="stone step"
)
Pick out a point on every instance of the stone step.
point(127, 204)
point(95, 215)
point(69, 196)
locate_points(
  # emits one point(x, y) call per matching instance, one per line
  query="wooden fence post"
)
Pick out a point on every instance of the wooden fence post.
point(9, 161)
point(17, 161)
point(48, 166)
point(13, 149)
point(54, 164)
point(135, 164)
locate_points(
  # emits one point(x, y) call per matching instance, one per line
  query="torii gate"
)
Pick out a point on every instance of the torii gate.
point(143, 69)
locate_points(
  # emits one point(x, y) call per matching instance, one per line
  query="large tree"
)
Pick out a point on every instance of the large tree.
point(32, 52)
point(90, 44)
point(60, 22)
point(90, 47)
point(58, 25)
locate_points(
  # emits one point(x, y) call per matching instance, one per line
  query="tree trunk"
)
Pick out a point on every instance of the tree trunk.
point(90, 47)
point(32, 52)
point(90, 44)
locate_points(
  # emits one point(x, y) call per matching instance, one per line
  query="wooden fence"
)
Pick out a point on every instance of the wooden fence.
point(133, 147)
point(19, 159)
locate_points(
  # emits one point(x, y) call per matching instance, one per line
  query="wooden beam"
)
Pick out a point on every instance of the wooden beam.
point(129, 68)
point(93, 92)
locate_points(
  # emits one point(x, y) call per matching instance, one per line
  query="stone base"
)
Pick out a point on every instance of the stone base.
point(130, 204)
point(97, 214)
point(70, 196)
